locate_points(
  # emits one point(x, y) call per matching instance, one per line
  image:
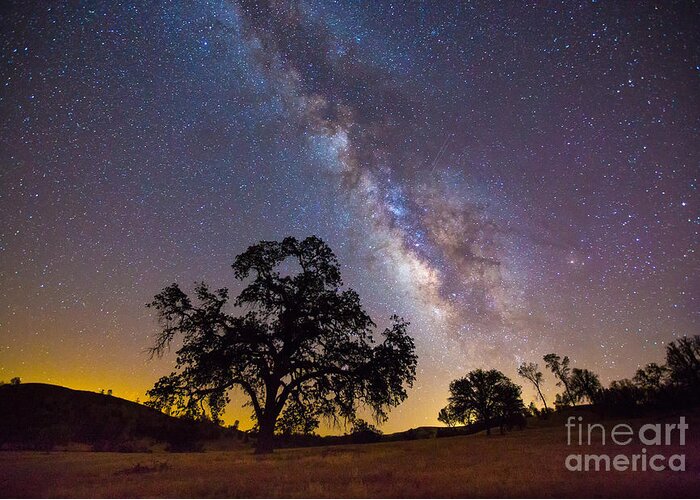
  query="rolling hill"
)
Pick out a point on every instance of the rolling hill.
point(43, 416)
point(38, 416)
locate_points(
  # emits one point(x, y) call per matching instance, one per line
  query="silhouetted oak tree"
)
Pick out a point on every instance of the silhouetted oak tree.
point(483, 396)
point(300, 348)
point(447, 419)
point(651, 378)
point(683, 361)
point(584, 384)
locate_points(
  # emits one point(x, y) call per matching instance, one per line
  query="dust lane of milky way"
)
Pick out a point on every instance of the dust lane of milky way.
point(513, 179)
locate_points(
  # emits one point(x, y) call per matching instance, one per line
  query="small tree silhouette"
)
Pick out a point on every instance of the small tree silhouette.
point(683, 361)
point(488, 397)
point(446, 418)
point(651, 379)
point(584, 384)
point(534, 411)
point(15, 381)
point(364, 432)
point(561, 370)
point(531, 372)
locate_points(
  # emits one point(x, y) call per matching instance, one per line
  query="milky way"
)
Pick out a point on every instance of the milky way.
point(514, 179)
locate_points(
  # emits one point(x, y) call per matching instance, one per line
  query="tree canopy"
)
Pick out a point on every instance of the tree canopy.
point(683, 361)
point(300, 348)
point(584, 385)
point(485, 396)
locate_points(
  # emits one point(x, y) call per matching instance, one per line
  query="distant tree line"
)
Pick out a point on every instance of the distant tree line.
point(13, 381)
point(490, 399)
point(674, 384)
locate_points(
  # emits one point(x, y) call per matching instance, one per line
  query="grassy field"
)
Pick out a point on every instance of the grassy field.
point(521, 463)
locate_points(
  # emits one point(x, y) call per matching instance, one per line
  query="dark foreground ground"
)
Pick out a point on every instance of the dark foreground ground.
point(519, 464)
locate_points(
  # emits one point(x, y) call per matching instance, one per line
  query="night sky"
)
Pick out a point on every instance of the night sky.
point(513, 178)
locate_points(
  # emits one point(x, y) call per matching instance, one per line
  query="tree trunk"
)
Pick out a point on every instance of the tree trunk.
point(266, 435)
point(267, 420)
point(543, 400)
point(568, 393)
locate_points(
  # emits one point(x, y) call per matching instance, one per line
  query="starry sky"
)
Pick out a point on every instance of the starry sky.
point(514, 178)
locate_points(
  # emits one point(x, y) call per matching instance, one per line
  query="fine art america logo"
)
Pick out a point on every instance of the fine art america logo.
point(654, 437)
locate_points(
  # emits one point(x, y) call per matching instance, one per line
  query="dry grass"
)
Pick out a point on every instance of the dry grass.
point(522, 464)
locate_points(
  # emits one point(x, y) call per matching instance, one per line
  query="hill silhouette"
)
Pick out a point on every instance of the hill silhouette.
point(43, 416)
point(36, 416)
